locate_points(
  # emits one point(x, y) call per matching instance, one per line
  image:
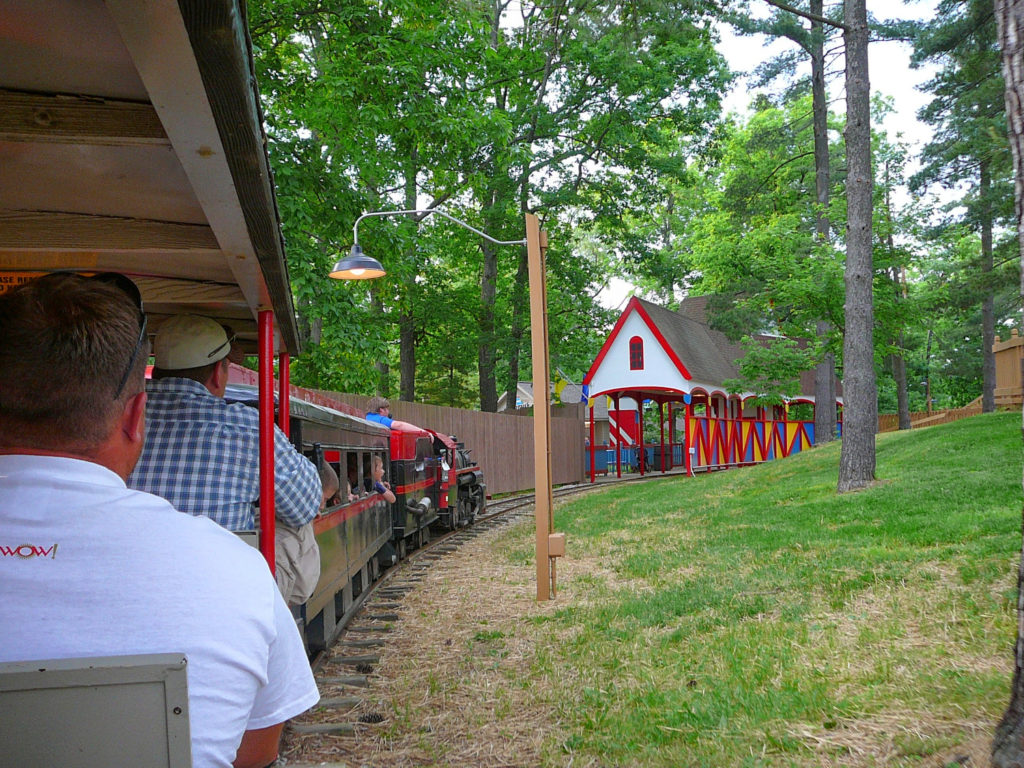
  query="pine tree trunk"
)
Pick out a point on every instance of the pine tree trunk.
point(988, 319)
point(825, 371)
point(407, 357)
point(520, 311)
point(381, 365)
point(899, 375)
point(406, 319)
point(485, 350)
point(857, 459)
point(1008, 744)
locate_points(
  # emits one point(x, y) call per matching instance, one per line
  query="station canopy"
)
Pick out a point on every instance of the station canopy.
point(657, 354)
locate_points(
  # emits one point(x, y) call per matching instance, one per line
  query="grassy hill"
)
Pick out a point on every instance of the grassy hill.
point(754, 618)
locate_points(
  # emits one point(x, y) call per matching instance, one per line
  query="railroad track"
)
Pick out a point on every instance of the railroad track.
point(343, 672)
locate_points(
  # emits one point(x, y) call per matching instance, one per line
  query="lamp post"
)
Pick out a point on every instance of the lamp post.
point(358, 266)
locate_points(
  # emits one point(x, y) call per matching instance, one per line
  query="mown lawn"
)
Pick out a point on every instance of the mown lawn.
point(755, 618)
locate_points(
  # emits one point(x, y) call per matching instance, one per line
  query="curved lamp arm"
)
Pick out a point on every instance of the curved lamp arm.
point(428, 212)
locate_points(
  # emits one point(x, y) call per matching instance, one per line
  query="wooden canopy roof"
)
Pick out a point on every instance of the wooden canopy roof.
point(131, 140)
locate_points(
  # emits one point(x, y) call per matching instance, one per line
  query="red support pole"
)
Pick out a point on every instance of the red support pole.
point(814, 420)
point(284, 401)
point(671, 437)
point(640, 431)
point(266, 408)
point(661, 425)
point(593, 469)
point(688, 438)
point(618, 440)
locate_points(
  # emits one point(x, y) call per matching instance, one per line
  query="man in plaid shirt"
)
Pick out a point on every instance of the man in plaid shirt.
point(201, 453)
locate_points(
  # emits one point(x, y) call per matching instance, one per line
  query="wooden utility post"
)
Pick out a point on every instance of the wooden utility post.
point(536, 248)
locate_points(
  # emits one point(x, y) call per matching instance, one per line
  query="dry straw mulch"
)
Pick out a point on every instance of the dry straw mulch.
point(455, 684)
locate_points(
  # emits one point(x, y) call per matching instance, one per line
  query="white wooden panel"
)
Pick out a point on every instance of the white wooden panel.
point(658, 371)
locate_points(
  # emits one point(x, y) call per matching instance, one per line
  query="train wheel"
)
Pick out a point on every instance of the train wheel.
point(401, 550)
point(424, 536)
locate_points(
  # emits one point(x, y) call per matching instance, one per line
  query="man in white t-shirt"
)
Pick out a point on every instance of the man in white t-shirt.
point(91, 568)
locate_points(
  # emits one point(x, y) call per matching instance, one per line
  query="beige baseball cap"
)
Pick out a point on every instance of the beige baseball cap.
point(189, 341)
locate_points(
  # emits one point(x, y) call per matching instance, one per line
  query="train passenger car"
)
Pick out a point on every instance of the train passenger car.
point(355, 528)
point(436, 485)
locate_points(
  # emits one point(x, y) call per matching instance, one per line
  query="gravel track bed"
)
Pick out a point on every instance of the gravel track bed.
point(451, 683)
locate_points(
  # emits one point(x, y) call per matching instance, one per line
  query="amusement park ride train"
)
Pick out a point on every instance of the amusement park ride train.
point(437, 486)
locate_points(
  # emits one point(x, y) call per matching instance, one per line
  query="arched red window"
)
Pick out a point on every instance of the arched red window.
point(636, 354)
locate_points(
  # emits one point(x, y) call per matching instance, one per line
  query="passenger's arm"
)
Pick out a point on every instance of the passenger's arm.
point(405, 426)
point(289, 689)
point(259, 747)
point(384, 489)
point(299, 492)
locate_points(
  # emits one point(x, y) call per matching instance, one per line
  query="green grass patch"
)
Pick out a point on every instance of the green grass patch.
point(755, 617)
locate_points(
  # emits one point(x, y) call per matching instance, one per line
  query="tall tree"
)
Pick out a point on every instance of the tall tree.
point(592, 94)
point(556, 109)
point(812, 43)
point(825, 371)
point(754, 243)
point(368, 108)
point(968, 152)
point(857, 457)
point(1008, 745)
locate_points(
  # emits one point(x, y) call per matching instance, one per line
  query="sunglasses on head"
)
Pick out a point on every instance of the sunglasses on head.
point(228, 343)
point(131, 290)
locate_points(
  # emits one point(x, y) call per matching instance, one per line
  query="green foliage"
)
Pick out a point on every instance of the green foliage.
point(968, 157)
point(752, 243)
point(771, 368)
point(566, 111)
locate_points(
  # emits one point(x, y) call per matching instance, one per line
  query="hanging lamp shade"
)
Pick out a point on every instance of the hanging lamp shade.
point(357, 266)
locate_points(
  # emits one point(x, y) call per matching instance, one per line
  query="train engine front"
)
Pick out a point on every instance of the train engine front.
point(414, 480)
point(462, 487)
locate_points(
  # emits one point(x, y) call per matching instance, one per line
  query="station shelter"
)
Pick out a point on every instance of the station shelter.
point(675, 362)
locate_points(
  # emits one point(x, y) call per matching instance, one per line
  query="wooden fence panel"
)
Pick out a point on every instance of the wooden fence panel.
point(502, 443)
point(890, 422)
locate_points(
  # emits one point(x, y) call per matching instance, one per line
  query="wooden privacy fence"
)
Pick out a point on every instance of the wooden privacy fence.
point(890, 422)
point(501, 443)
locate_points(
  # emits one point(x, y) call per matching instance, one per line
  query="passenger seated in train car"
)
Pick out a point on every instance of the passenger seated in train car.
point(376, 482)
point(91, 568)
point(331, 487)
point(296, 553)
point(201, 452)
point(379, 412)
point(352, 463)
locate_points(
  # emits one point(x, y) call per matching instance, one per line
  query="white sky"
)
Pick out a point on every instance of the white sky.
point(888, 70)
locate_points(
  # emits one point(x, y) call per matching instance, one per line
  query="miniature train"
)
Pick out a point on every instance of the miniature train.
point(436, 484)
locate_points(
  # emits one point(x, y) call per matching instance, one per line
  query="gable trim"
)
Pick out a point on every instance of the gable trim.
point(634, 305)
point(661, 340)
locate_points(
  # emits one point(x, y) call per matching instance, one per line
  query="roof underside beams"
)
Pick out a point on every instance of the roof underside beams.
point(131, 140)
